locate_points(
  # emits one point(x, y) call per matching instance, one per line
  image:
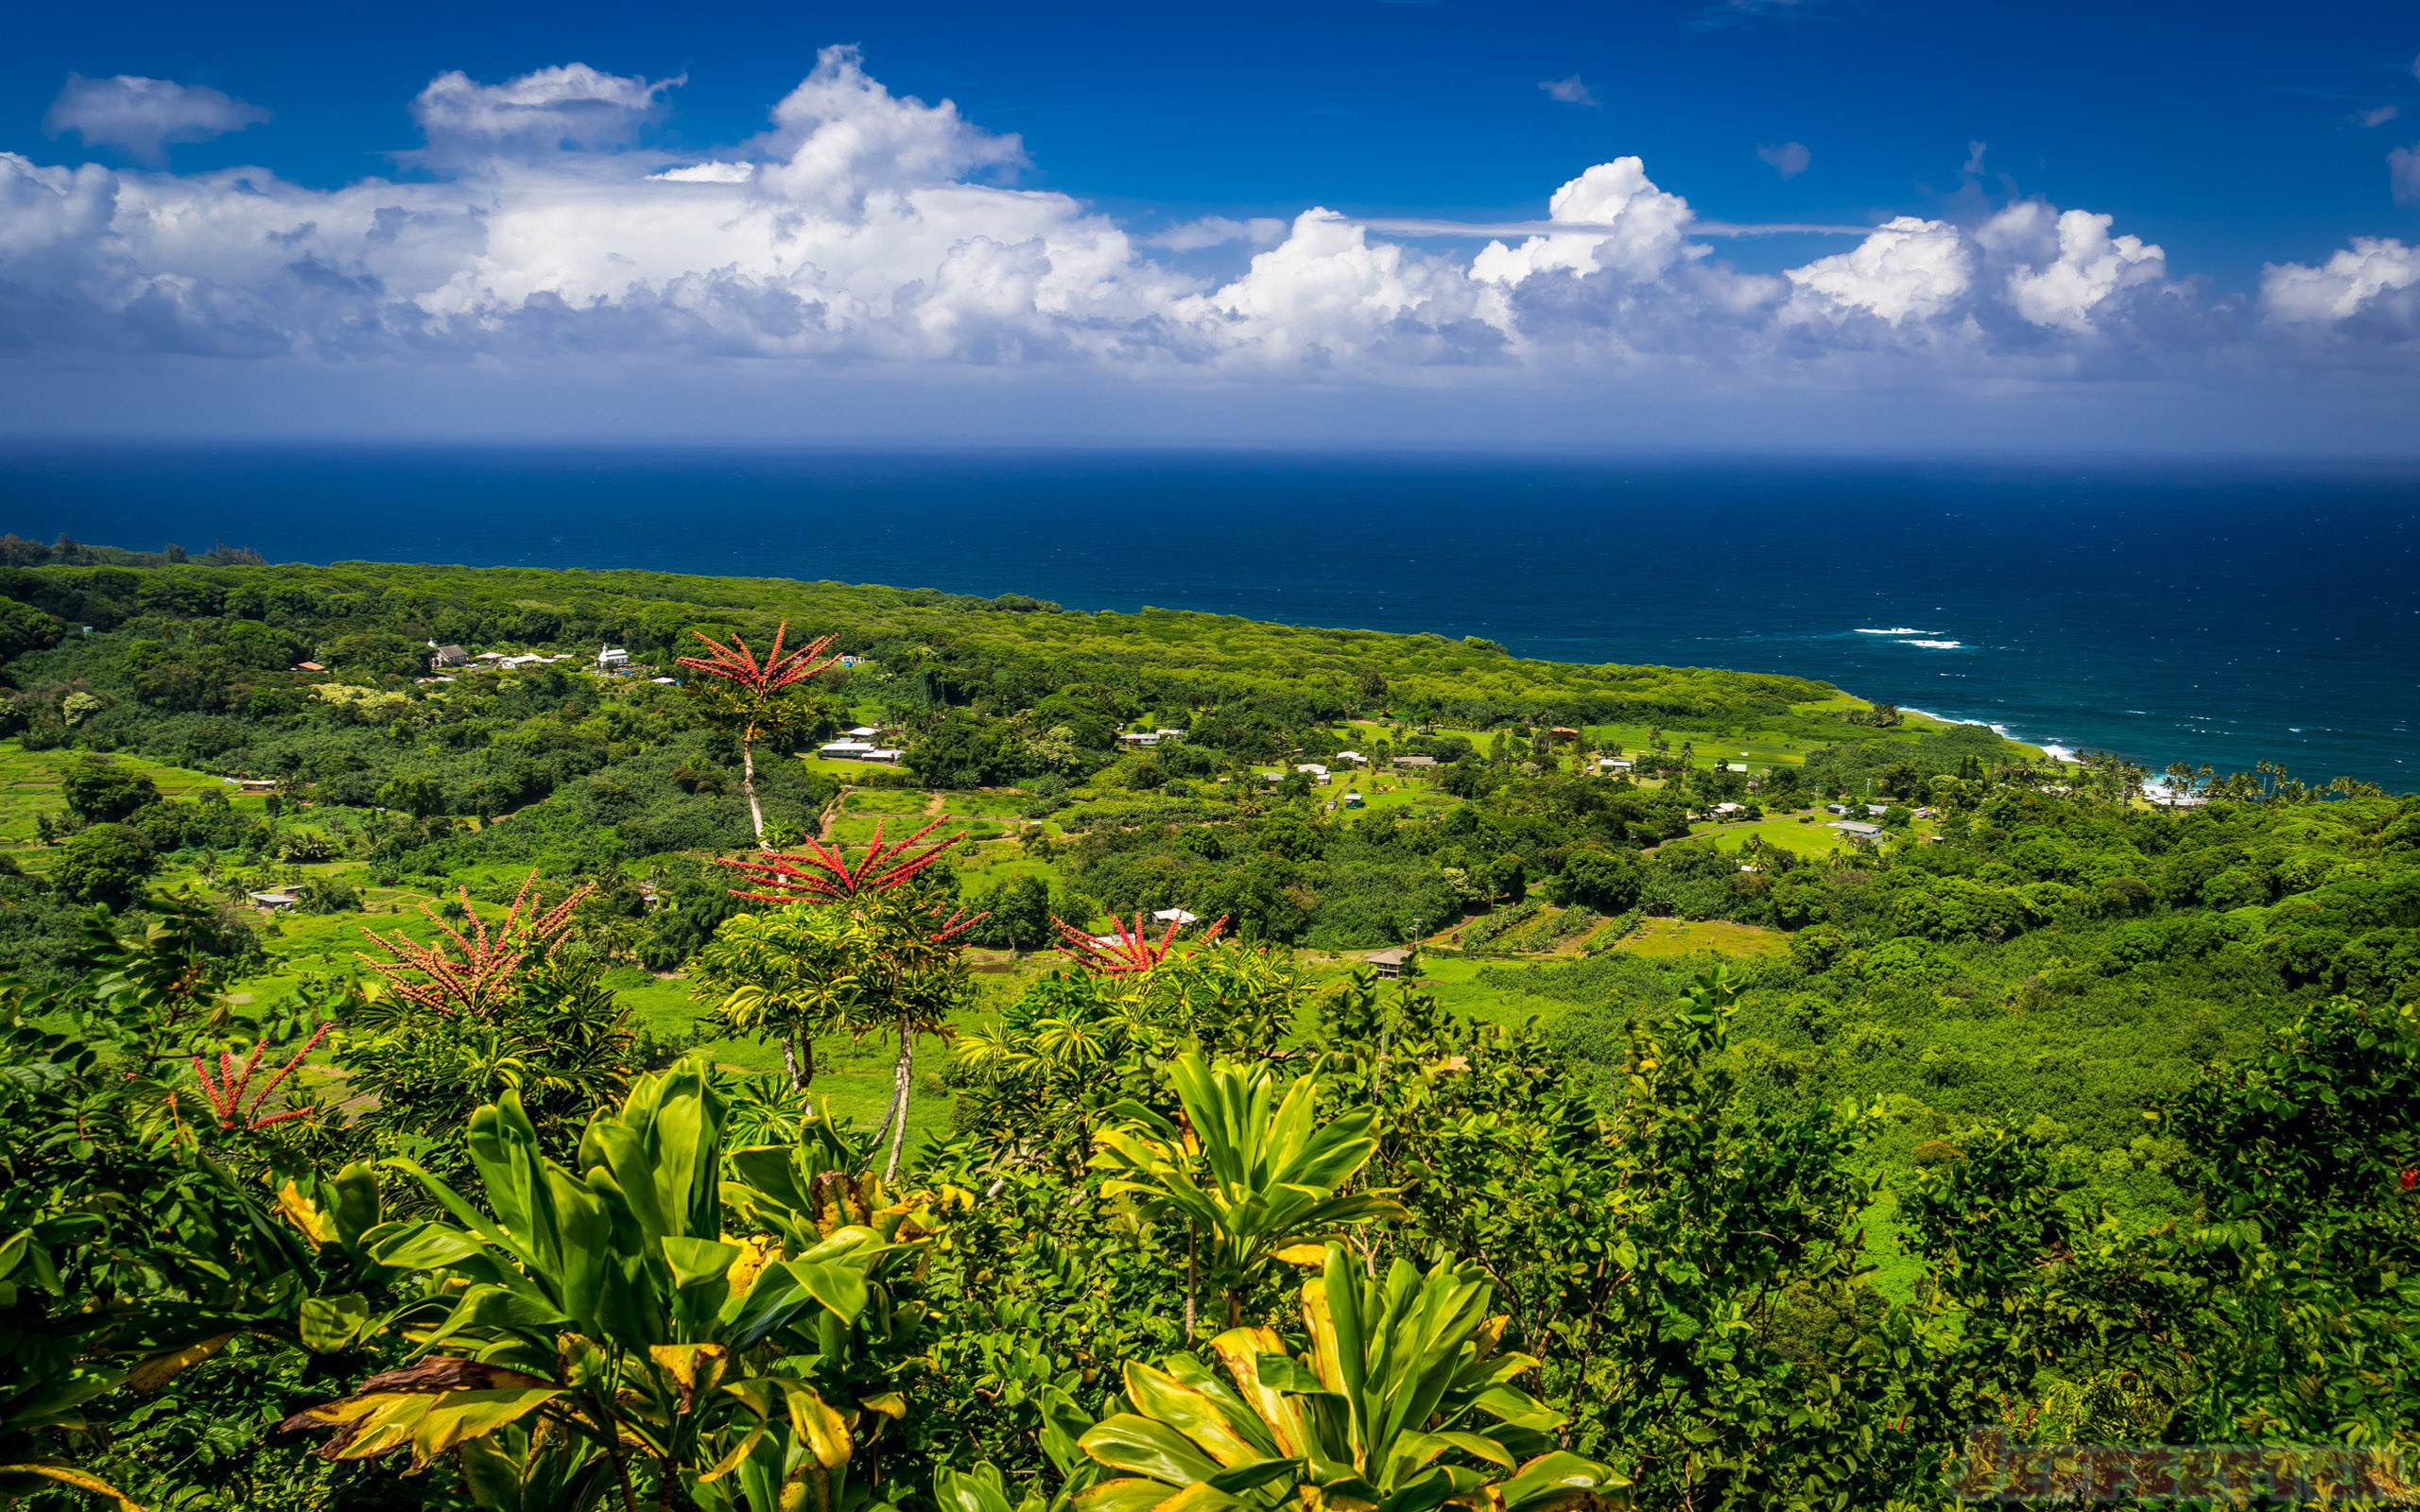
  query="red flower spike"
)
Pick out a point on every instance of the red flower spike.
point(2409, 1177)
point(489, 963)
point(736, 664)
point(958, 924)
point(823, 873)
point(1135, 951)
point(226, 1096)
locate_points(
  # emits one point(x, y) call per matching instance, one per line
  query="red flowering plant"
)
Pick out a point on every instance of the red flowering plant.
point(232, 1100)
point(1129, 950)
point(824, 873)
point(754, 696)
point(484, 965)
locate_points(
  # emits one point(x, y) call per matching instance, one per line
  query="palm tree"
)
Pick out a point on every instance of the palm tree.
point(1400, 1404)
point(1252, 1177)
point(750, 695)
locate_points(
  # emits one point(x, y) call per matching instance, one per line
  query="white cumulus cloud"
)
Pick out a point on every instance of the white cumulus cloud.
point(1621, 223)
point(142, 117)
point(1910, 270)
point(1572, 91)
point(866, 229)
point(2369, 273)
point(2067, 264)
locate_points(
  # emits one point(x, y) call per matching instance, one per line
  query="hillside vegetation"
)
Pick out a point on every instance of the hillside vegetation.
point(552, 1073)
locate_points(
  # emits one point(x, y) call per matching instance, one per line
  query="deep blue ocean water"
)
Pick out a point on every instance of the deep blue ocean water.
point(2218, 613)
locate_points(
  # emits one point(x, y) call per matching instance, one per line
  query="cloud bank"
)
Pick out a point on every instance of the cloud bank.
point(866, 228)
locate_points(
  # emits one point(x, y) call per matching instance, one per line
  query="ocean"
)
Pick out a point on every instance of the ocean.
point(2209, 613)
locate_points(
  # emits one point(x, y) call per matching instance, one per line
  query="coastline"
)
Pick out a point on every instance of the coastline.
point(2052, 748)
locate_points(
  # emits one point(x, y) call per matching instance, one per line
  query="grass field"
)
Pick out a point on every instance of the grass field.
point(1659, 938)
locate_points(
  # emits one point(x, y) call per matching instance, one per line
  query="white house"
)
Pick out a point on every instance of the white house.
point(861, 731)
point(1173, 916)
point(1140, 738)
point(1352, 758)
point(1735, 766)
point(612, 658)
point(846, 751)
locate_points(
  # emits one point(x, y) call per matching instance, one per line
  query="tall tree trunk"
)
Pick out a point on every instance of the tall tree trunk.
point(902, 1078)
point(797, 1058)
point(748, 783)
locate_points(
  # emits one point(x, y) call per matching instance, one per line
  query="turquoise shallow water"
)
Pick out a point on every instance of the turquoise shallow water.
point(2213, 613)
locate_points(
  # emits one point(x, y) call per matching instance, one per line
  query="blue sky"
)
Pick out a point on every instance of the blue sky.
point(2228, 139)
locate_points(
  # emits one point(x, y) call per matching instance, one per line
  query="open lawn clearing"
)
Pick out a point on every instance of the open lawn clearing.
point(1665, 937)
point(1783, 832)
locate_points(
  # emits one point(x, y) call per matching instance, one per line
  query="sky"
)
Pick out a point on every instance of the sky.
point(1701, 224)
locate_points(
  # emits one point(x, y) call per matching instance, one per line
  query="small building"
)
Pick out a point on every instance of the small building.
point(1735, 766)
point(861, 731)
point(275, 900)
point(308, 666)
point(1613, 764)
point(442, 657)
point(1726, 809)
point(613, 659)
point(1417, 763)
point(890, 754)
point(1139, 737)
point(1387, 962)
point(1170, 735)
point(669, 682)
point(848, 751)
point(1562, 733)
point(1858, 829)
point(1352, 758)
point(1174, 915)
point(1353, 800)
point(255, 785)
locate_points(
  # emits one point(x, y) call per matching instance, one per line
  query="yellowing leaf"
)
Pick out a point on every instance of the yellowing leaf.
point(305, 1215)
point(159, 1370)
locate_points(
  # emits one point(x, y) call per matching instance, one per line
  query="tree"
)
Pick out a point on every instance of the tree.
point(101, 791)
point(420, 794)
point(23, 627)
point(918, 973)
point(1606, 881)
point(796, 974)
point(105, 864)
point(753, 698)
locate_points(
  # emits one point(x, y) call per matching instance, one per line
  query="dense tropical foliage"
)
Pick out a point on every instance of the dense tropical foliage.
point(2053, 1115)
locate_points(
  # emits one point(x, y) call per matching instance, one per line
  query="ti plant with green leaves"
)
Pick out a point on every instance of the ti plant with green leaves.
point(1254, 1179)
point(600, 1338)
point(1400, 1404)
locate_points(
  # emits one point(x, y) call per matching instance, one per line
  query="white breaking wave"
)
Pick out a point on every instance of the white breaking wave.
point(1904, 629)
point(1936, 646)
